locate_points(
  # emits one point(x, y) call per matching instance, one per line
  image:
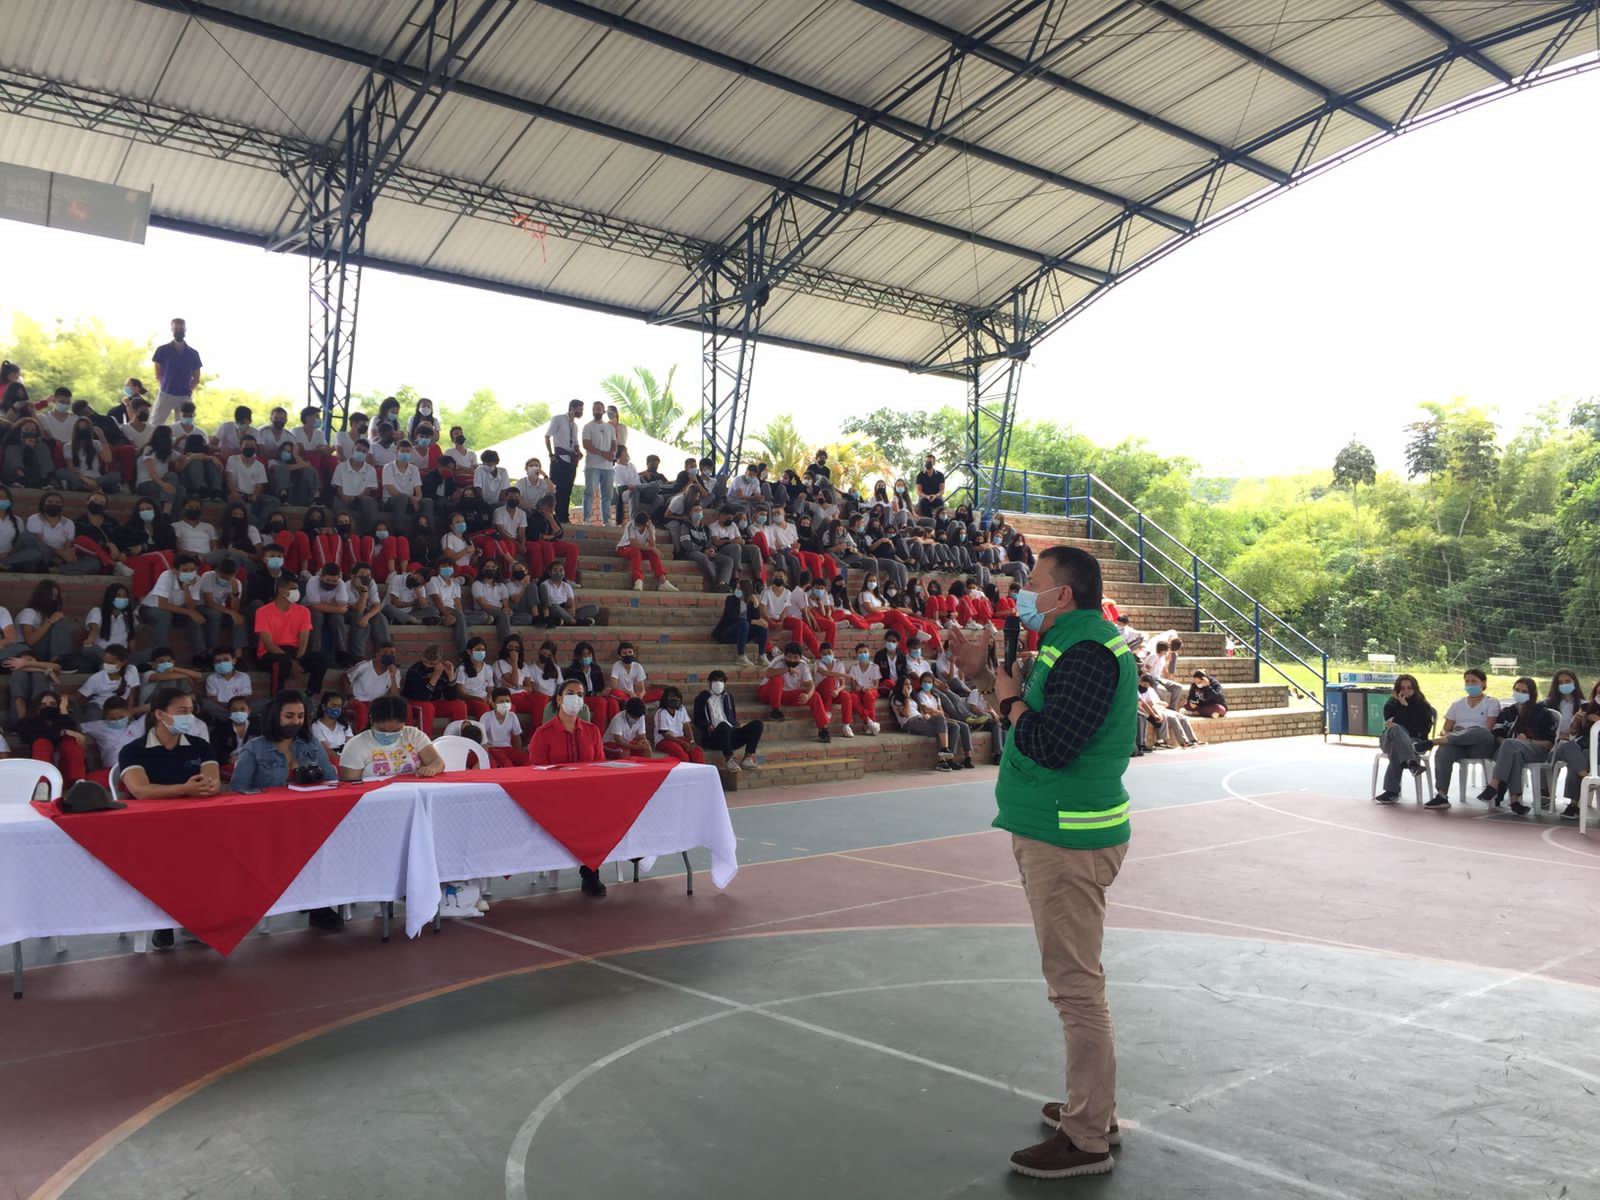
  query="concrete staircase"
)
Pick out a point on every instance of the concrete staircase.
point(672, 631)
point(1255, 709)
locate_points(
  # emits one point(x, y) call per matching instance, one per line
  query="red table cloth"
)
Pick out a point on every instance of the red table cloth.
point(594, 805)
point(215, 865)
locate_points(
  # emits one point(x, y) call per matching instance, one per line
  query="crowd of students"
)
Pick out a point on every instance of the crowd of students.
point(326, 545)
point(1543, 732)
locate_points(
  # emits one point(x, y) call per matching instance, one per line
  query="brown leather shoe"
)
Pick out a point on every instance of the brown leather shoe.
point(1051, 1113)
point(1058, 1158)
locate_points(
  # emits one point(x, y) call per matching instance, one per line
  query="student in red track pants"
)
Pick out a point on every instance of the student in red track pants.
point(791, 682)
point(673, 737)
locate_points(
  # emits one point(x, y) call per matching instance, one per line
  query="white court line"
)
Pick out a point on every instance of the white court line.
point(1549, 839)
point(522, 1142)
point(1227, 785)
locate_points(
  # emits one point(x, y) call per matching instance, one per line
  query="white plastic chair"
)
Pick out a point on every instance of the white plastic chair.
point(1589, 789)
point(1419, 782)
point(1471, 766)
point(459, 753)
point(19, 777)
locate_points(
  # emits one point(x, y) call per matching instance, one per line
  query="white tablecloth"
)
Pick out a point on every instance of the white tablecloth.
point(398, 842)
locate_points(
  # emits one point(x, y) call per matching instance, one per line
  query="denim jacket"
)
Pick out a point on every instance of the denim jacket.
point(260, 766)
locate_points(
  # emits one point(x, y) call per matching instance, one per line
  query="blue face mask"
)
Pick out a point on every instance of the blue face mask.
point(385, 737)
point(828, 658)
point(459, 527)
point(117, 722)
point(224, 668)
point(188, 724)
point(1566, 689)
point(332, 710)
point(1474, 689)
point(927, 686)
point(1519, 697)
point(446, 572)
point(119, 603)
point(479, 655)
point(239, 718)
point(586, 660)
point(863, 658)
point(1028, 610)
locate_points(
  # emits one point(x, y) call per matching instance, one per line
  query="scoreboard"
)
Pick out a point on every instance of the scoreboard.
point(67, 202)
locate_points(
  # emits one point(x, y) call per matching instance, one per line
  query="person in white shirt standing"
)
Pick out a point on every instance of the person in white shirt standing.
point(600, 452)
point(563, 446)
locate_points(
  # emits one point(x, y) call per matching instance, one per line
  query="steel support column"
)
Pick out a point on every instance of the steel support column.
point(336, 192)
point(727, 362)
point(992, 386)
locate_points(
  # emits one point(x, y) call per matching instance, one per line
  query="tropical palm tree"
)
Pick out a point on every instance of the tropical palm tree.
point(781, 446)
point(648, 406)
point(856, 462)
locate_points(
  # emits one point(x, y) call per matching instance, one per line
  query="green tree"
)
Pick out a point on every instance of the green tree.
point(904, 437)
point(1353, 468)
point(82, 356)
point(856, 463)
point(649, 406)
point(781, 445)
point(487, 422)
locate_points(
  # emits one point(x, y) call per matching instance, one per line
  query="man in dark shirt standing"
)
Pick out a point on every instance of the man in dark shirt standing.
point(562, 451)
point(1060, 795)
point(930, 488)
point(177, 373)
point(172, 761)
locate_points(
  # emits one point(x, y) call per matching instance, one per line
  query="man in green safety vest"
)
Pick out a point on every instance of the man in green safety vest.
point(1061, 797)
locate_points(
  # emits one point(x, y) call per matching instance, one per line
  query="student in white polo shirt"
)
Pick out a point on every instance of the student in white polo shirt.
point(372, 677)
point(116, 679)
point(176, 598)
point(491, 598)
point(674, 736)
point(628, 677)
point(224, 684)
point(406, 601)
point(401, 490)
point(329, 601)
point(355, 486)
point(246, 478)
point(230, 437)
point(625, 732)
point(444, 594)
point(113, 729)
point(502, 731)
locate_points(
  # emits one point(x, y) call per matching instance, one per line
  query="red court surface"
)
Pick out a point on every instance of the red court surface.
point(1256, 870)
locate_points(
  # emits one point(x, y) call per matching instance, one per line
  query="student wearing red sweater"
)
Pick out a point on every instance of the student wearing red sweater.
point(565, 738)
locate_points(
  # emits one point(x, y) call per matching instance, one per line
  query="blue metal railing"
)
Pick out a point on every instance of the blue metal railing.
point(1219, 604)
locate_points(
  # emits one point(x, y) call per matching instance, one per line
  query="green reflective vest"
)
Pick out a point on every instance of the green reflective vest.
point(1083, 805)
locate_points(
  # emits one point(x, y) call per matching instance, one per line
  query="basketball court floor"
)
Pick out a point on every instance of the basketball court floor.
point(1314, 997)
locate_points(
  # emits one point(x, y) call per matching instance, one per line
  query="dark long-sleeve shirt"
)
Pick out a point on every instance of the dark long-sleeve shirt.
point(1077, 696)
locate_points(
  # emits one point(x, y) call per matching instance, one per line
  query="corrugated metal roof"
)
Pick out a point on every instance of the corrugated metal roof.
point(569, 111)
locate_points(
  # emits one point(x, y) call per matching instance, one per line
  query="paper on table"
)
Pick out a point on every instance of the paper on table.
point(314, 787)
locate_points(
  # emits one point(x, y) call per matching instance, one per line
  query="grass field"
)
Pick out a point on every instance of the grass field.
point(1440, 687)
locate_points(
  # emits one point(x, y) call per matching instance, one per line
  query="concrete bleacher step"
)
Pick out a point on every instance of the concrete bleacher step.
point(785, 773)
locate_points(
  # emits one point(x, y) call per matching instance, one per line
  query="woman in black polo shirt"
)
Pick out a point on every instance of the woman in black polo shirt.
point(1527, 741)
point(1407, 722)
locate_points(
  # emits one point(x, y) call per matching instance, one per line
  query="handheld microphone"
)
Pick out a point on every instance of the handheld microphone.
point(1013, 635)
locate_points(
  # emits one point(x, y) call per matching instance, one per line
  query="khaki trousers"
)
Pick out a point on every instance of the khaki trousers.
point(1066, 892)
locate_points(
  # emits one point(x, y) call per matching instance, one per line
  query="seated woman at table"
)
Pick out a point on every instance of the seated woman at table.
point(389, 747)
point(285, 752)
point(564, 738)
point(172, 761)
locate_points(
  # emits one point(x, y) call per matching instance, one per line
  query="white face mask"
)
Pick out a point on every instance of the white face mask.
point(294, 595)
point(718, 687)
point(502, 708)
point(572, 704)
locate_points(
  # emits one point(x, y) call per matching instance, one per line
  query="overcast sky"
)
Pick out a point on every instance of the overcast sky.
point(1459, 260)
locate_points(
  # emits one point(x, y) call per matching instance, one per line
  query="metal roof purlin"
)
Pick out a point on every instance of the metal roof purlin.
point(880, 118)
point(1428, 25)
point(1265, 61)
point(1072, 87)
point(785, 239)
point(533, 108)
point(1022, 303)
point(169, 128)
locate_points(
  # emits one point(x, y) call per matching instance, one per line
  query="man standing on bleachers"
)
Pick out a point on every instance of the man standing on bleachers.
point(600, 451)
point(561, 442)
point(177, 372)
